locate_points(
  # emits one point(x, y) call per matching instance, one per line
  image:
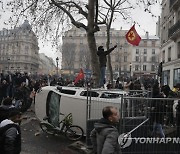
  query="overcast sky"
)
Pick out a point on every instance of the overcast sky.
point(145, 22)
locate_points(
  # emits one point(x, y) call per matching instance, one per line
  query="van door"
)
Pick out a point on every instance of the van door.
point(52, 108)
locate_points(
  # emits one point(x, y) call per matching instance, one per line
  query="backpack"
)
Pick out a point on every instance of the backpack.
point(2, 134)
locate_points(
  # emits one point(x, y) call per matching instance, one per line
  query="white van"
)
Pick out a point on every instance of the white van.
point(82, 103)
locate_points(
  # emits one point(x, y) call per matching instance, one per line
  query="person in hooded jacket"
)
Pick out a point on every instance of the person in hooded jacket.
point(104, 136)
point(10, 133)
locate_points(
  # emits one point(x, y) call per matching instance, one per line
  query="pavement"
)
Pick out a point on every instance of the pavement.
point(35, 141)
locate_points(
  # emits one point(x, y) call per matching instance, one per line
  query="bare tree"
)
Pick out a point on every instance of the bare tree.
point(48, 17)
point(109, 10)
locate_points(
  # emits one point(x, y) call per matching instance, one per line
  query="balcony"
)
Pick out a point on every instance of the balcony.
point(174, 4)
point(174, 31)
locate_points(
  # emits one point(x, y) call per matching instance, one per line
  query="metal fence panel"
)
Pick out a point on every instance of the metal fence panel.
point(140, 116)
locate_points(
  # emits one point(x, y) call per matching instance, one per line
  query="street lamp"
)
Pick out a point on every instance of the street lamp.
point(119, 59)
point(8, 64)
point(130, 68)
point(57, 62)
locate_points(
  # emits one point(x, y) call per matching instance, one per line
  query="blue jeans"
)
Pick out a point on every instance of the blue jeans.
point(157, 129)
point(102, 78)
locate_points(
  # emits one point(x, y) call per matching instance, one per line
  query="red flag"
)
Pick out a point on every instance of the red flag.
point(79, 76)
point(133, 37)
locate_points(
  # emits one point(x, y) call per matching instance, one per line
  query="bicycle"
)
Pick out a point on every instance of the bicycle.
point(72, 132)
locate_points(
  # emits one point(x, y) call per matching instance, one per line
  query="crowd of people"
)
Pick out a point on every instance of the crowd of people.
point(17, 93)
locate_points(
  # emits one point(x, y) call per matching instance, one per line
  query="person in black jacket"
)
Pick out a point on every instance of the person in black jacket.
point(102, 61)
point(157, 111)
point(10, 134)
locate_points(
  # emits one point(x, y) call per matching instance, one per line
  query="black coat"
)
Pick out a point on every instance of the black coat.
point(158, 110)
point(102, 56)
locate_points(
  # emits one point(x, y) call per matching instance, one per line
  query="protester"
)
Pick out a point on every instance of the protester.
point(170, 121)
point(157, 112)
point(10, 134)
point(118, 84)
point(5, 108)
point(128, 85)
point(104, 136)
point(102, 60)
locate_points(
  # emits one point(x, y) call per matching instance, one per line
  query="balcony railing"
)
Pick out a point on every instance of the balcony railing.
point(174, 30)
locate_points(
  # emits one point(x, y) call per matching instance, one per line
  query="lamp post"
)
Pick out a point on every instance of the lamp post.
point(119, 60)
point(8, 64)
point(57, 62)
point(130, 68)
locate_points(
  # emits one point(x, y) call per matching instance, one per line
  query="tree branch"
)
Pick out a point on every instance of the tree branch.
point(73, 21)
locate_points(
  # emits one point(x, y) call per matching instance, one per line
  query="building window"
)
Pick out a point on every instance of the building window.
point(116, 67)
point(125, 58)
point(166, 77)
point(169, 54)
point(81, 41)
point(136, 67)
point(153, 58)
point(163, 56)
point(178, 49)
point(152, 67)
point(145, 43)
point(153, 43)
point(145, 59)
point(144, 67)
point(26, 49)
point(117, 58)
point(179, 14)
point(153, 51)
point(145, 51)
point(125, 68)
point(176, 76)
point(137, 58)
point(137, 51)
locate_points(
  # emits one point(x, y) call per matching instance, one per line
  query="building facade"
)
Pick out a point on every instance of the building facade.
point(124, 61)
point(170, 42)
point(145, 57)
point(76, 55)
point(46, 65)
point(19, 51)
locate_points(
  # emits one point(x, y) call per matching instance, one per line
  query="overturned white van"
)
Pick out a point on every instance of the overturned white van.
point(82, 103)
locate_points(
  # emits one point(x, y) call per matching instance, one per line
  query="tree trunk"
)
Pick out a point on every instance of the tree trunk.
point(92, 42)
point(109, 57)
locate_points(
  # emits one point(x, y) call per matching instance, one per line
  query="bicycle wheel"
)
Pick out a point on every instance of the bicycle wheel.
point(47, 128)
point(74, 133)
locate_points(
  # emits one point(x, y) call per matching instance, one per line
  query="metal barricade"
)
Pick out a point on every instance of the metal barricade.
point(149, 125)
point(141, 120)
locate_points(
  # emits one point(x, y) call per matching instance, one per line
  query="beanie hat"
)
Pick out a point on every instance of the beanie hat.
point(100, 47)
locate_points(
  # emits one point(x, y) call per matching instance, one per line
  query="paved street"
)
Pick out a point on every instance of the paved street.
point(34, 141)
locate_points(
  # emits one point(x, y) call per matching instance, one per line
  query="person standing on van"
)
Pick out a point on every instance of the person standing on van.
point(104, 136)
point(102, 60)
